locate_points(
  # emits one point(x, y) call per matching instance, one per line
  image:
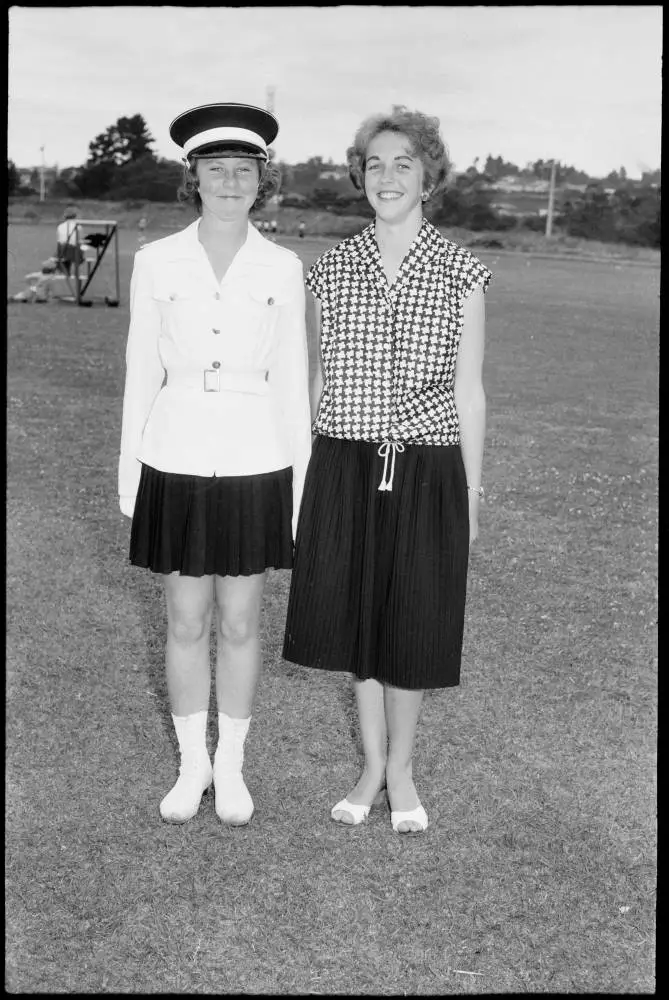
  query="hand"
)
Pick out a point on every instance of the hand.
point(127, 506)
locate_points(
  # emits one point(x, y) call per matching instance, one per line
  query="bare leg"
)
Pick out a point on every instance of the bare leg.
point(372, 720)
point(238, 664)
point(188, 671)
point(402, 708)
point(238, 659)
point(189, 607)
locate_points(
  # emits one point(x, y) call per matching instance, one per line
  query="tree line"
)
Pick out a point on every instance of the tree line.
point(122, 166)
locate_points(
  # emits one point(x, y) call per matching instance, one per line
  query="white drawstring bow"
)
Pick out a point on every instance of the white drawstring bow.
point(386, 450)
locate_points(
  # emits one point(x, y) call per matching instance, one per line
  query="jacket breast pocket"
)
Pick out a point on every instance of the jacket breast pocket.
point(175, 291)
point(265, 299)
point(182, 303)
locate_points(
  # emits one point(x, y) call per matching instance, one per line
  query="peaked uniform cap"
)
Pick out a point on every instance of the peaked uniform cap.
point(211, 126)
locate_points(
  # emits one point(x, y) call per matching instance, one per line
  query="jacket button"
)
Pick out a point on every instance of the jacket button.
point(217, 295)
point(214, 330)
point(270, 301)
point(216, 364)
point(172, 296)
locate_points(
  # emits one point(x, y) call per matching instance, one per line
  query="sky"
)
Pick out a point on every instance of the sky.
point(581, 84)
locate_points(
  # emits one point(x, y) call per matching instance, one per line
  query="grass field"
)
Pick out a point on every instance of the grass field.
point(168, 217)
point(537, 873)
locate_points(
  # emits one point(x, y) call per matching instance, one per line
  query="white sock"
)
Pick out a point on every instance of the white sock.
point(191, 733)
point(233, 803)
point(224, 720)
point(231, 736)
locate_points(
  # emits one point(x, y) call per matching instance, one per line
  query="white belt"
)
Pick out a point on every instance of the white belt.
point(388, 450)
point(215, 380)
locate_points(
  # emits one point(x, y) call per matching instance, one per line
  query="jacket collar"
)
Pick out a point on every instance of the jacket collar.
point(185, 245)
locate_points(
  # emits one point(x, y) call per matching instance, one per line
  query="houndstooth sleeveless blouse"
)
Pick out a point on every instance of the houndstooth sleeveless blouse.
point(389, 352)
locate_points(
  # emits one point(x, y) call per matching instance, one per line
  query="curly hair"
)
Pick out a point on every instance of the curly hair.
point(421, 130)
point(269, 185)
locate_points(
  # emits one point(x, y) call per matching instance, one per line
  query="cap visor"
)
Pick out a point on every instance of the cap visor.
point(215, 150)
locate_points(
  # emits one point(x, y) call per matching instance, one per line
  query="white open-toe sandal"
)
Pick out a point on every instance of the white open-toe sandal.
point(358, 813)
point(417, 815)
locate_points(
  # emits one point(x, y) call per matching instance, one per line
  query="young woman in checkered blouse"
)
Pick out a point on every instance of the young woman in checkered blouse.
point(391, 498)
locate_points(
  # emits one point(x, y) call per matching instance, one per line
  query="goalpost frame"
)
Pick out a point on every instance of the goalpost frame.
point(77, 239)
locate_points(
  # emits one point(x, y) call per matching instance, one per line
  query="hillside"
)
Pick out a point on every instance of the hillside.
point(164, 218)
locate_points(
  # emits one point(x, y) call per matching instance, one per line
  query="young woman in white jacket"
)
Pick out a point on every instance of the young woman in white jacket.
point(215, 437)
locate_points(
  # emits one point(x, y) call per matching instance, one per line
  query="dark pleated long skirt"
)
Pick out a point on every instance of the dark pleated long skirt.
point(224, 525)
point(379, 578)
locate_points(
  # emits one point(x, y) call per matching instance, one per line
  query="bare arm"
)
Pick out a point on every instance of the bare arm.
point(316, 388)
point(470, 401)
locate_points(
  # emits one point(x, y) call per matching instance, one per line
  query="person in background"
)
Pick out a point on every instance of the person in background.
point(43, 285)
point(141, 231)
point(274, 228)
point(300, 230)
point(68, 250)
point(215, 437)
point(391, 498)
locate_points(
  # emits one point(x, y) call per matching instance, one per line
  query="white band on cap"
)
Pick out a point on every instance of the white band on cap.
point(223, 134)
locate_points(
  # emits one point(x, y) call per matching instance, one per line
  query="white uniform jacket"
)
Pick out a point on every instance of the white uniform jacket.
point(248, 332)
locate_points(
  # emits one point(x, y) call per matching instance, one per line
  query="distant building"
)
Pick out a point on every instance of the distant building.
point(524, 184)
point(293, 198)
point(333, 174)
point(505, 208)
point(69, 173)
point(29, 177)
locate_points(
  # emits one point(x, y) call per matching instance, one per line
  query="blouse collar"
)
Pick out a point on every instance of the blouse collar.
point(427, 242)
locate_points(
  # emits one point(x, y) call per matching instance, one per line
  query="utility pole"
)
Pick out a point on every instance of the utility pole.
point(41, 176)
point(269, 99)
point(551, 202)
point(270, 91)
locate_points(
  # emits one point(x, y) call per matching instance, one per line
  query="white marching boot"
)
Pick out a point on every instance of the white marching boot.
point(234, 805)
point(195, 771)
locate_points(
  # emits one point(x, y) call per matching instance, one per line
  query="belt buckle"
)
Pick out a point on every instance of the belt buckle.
point(212, 380)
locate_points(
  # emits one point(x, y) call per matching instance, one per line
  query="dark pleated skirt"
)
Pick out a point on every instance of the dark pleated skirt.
point(379, 578)
point(224, 525)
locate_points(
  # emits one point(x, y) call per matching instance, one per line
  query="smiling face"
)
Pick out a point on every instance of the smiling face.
point(227, 185)
point(393, 177)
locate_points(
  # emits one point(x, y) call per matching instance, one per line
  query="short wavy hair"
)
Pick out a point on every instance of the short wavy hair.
point(423, 133)
point(269, 185)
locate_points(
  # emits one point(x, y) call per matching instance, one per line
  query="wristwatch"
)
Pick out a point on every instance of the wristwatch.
point(477, 489)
